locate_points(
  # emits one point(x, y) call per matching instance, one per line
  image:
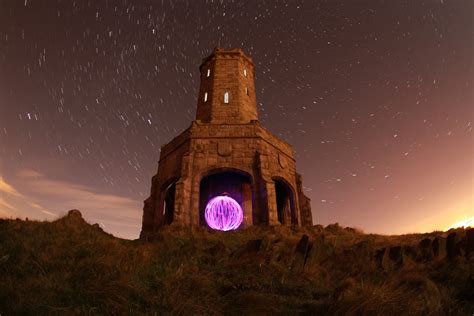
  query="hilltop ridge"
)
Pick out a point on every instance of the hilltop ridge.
point(70, 266)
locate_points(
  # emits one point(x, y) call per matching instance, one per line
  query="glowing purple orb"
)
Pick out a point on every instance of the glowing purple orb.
point(223, 213)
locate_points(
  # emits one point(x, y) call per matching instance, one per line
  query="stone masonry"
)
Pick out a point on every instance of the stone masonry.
point(226, 150)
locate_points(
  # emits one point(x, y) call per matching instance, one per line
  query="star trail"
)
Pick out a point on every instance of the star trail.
point(376, 98)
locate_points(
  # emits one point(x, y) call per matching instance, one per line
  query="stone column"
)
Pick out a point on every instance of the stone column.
point(304, 205)
point(149, 209)
point(147, 220)
point(195, 199)
point(247, 204)
point(182, 210)
point(265, 189)
point(271, 203)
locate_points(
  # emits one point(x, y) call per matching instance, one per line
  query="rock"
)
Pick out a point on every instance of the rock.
point(301, 252)
point(318, 227)
point(410, 255)
point(333, 228)
point(452, 250)
point(389, 258)
point(74, 214)
point(97, 226)
point(469, 242)
point(378, 258)
point(396, 256)
point(73, 219)
point(350, 230)
point(438, 246)
point(426, 251)
point(302, 245)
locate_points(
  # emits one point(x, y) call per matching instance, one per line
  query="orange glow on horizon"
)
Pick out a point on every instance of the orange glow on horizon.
point(468, 222)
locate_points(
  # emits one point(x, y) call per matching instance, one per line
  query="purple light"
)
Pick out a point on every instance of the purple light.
point(223, 213)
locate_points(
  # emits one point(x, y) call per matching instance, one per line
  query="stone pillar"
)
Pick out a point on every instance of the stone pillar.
point(181, 207)
point(271, 203)
point(147, 220)
point(287, 211)
point(195, 199)
point(265, 190)
point(149, 207)
point(182, 210)
point(305, 215)
point(247, 204)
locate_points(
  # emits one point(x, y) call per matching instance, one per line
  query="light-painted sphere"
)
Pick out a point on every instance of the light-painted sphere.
point(223, 213)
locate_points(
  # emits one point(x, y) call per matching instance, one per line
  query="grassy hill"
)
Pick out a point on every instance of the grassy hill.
point(71, 267)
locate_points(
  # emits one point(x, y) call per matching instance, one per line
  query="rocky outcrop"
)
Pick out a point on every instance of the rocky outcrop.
point(452, 247)
point(395, 255)
point(470, 242)
point(438, 246)
point(427, 250)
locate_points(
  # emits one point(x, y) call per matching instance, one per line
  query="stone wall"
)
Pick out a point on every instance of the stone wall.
point(210, 148)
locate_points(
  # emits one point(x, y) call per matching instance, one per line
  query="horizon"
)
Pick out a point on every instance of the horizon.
point(464, 224)
point(134, 230)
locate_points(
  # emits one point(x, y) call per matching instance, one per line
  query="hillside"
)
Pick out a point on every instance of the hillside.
point(71, 267)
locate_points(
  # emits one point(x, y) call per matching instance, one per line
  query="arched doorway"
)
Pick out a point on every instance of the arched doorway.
point(232, 182)
point(285, 203)
point(168, 203)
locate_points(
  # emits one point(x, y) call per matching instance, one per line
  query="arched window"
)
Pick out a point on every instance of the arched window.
point(208, 72)
point(226, 97)
point(245, 72)
point(205, 97)
point(247, 91)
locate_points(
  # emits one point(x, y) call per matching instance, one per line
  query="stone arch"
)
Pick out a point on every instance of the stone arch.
point(214, 170)
point(237, 183)
point(285, 200)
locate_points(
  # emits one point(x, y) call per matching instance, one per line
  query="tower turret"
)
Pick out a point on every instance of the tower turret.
point(227, 90)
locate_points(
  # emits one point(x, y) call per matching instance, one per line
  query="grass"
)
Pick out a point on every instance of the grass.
point(71, 267)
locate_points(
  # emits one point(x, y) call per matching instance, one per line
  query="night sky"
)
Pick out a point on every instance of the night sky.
point(376, 98)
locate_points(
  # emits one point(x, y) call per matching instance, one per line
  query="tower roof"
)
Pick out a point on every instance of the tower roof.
point(233, 52)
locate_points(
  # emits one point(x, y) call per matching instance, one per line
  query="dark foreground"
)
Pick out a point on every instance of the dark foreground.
point(71, 267)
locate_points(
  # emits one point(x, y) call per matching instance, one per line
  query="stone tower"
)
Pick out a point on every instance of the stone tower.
point(226, 150)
